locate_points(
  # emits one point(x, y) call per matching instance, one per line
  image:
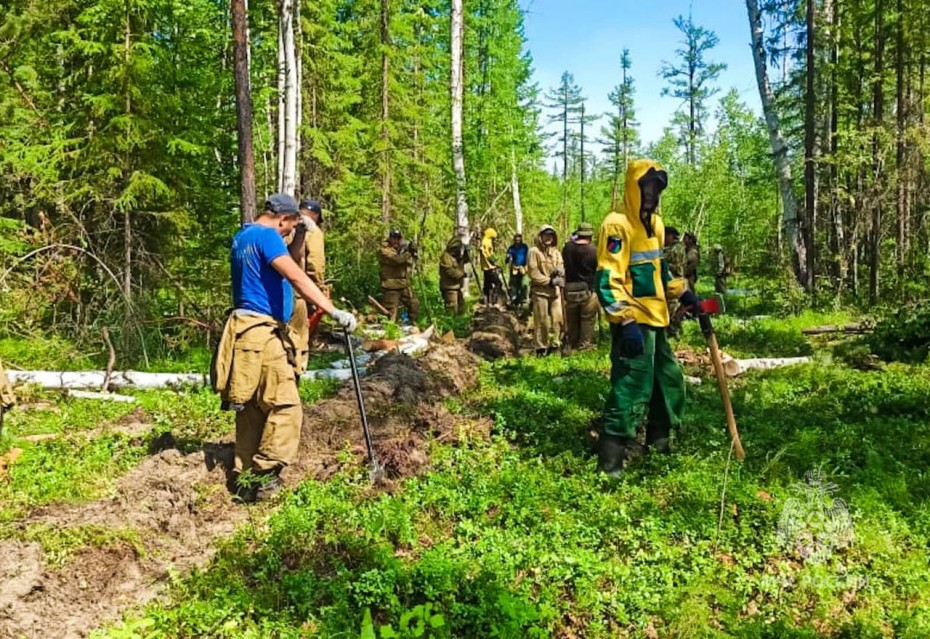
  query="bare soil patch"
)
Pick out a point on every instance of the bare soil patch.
point(179, 507)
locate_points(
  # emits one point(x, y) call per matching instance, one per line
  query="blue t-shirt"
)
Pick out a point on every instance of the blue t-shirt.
point(256, 286)
point(518, 254)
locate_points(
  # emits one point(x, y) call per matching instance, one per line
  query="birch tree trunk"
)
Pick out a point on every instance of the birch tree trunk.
point(515, 190)
point(385, 113)
point(240, 29)
point(779, 147)
point(457, 89)
point(287, 99)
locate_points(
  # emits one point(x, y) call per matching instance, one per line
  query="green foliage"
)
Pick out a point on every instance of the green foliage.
point(520, 537)
point(903, 334)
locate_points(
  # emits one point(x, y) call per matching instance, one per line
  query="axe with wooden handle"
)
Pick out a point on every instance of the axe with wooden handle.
point(711, 306)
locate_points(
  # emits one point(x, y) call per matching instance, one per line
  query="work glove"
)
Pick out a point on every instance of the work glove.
point(558, 282)
point(508, 259)
point(412, 249)
point(632, 343)
point(305, 222)
point(690, 302)
point(558, 273)
point(345, 319)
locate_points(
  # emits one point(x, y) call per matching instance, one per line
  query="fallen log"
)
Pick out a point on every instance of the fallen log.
point(73, 380)
point(765, 364)
point(849, 329)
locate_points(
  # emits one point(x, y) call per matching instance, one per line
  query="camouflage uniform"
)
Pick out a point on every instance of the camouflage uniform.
point(395, 280)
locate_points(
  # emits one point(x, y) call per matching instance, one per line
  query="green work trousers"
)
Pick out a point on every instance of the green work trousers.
point(647, 389)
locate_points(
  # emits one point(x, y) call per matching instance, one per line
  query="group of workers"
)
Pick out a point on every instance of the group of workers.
point(632, 272)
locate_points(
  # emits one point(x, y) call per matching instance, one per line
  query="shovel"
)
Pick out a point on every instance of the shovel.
point(376, 474)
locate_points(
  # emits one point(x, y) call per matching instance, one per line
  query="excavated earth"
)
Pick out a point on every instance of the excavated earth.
point(496, 334)
point(168, 514)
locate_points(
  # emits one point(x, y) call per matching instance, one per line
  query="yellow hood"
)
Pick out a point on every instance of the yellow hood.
point(490, 234)
point(632, 198)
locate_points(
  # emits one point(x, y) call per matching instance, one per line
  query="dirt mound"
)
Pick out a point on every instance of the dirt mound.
point(165, 517)
point(496, 334)
point(402, 403)
point(167, 514)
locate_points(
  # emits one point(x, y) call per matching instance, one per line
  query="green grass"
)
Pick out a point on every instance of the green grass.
point(519, 536)
point(60, 544)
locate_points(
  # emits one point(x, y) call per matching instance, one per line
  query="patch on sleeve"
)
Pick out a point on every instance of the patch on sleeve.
point(614, 244)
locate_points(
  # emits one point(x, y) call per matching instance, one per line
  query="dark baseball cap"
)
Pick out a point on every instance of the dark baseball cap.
point(395, 233)
point(282, 204)
point(311, 205)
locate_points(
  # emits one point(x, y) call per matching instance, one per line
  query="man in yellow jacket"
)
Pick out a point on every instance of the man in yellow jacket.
point(491, 272)
point(547, 279)
point(633, 286)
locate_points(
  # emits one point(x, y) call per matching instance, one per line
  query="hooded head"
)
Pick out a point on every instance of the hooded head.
point(546, 230)
point(490, 234)
point(454, 247)
point(640, 174)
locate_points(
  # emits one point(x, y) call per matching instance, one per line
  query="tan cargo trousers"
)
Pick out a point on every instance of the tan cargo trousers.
point(268, 426)
point(547, 319)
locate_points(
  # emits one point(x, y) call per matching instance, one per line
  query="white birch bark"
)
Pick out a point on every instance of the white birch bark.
point(779, 147)
point(287, 99)
point(515, 190)
point(457, 88)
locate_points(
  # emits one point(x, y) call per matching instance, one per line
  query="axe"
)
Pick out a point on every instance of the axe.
point(712, 306)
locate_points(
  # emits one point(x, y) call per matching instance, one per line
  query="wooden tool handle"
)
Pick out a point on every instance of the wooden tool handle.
point(725, 395)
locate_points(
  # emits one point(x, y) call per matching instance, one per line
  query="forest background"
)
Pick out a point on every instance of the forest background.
point(119, 177)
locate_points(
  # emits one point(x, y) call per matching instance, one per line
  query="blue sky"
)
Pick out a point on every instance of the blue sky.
point(585, 37)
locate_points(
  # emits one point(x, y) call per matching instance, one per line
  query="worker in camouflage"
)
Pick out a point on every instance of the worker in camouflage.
point(307, 246)
point(7, 398)
point(721, 269)
point(675, 258)
point(452, 274)
point(647, 386)
point(692, 260)
point(397, 259)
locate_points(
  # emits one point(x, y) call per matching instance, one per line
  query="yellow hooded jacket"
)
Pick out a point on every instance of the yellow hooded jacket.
point(487, 250)
point(633, 281)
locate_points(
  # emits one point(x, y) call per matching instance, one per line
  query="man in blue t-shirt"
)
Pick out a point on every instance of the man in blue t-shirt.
point(516, 258)
point(262, 380)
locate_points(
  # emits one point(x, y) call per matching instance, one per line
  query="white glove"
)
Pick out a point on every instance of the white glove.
point(345, 319)
point(306, 222)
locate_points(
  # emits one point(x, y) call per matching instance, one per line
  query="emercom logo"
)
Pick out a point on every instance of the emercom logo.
point(814, 523)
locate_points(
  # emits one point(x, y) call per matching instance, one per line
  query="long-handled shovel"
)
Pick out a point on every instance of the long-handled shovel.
point(376, 474)
point(710, 306)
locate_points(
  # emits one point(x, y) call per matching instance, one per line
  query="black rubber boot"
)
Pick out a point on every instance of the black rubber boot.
point(269, 483)
point(613, 452)
point(658, 438)
point(244, 487)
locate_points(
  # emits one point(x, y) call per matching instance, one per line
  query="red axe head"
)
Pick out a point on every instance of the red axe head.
point(711, 306)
